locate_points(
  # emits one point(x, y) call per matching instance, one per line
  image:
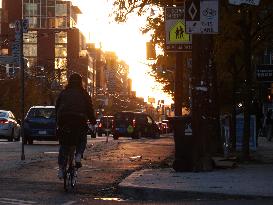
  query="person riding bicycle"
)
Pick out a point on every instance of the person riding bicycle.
point(73, 109)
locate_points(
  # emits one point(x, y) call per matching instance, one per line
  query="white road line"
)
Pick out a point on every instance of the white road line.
point(69, 203)
point(16, 201)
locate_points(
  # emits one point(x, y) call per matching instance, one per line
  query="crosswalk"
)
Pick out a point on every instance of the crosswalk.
point(26, 202)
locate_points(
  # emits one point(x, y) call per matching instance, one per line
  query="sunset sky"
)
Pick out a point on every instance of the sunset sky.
point(125, 39)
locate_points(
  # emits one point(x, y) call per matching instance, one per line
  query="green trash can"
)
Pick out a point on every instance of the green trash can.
point(183, 140)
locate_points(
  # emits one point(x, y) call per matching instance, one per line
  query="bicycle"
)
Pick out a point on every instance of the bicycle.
point(70, 171)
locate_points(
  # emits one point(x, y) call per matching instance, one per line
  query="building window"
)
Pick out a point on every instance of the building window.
point(60, 22)
point(30, 50)
point(61, 70)
point(61, 37)
point(46, 13)
point(30, 44)
point(61, 9)
point(60, 50)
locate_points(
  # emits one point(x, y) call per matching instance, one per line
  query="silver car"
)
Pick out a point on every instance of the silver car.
point(9, 127)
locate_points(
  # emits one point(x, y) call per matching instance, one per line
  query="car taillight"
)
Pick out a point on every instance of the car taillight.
point(134, 123)
point(100, 125)
point(4, 121)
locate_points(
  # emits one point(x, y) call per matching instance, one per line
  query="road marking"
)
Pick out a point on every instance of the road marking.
point(69, 203)
point(16, 201)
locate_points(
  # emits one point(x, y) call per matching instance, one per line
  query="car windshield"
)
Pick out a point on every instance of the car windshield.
point(124, 116)
point(42, 113)
point(3, 114)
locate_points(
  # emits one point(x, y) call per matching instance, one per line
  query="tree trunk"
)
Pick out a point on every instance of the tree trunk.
point(248, 84)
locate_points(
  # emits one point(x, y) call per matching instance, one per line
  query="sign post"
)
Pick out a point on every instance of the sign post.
point(20, 28)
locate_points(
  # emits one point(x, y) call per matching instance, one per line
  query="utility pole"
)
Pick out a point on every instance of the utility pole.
point(23, 28)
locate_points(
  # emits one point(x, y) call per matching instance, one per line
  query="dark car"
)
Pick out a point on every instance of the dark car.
point(105, 125)
point(40, 124)
point(134, 125)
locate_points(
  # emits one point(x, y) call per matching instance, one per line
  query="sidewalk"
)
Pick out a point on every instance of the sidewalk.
point(247, 180)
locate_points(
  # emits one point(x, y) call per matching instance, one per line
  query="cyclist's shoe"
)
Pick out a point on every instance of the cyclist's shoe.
point(78, 163)
point(60, 173)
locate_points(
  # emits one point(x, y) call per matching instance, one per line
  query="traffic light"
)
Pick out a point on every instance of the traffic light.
point(150, 51)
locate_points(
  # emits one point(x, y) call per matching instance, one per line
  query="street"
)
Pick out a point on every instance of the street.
point(105, 164)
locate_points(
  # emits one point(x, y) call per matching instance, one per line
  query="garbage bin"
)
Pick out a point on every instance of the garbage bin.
point(183, 140)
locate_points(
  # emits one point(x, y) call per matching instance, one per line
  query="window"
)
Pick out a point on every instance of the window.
point(60, 50)
point(60, 22)
point(61, 37)
point(30, 44)
point(61, 70)
point(30, 37)
point(61, 9)
point(30, 50)
point(31, 9)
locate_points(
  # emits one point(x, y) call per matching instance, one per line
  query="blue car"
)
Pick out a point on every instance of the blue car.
point(40, 124)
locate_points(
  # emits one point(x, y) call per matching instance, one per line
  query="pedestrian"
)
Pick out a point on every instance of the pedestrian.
point(73, 109)
point(269, 123)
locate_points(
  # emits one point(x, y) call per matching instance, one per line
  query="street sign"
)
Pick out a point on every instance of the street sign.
point(177, 40)
point(264, 73)
point(7, 60)
point(202, 16)
point(250, 2)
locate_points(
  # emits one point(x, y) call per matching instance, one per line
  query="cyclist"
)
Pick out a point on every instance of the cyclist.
point(73, 109)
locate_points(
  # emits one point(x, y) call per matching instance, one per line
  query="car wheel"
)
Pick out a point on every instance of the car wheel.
point(156, 135)
point(99, 134)
point(137, 135)
point(11, 137)
point(30, 141)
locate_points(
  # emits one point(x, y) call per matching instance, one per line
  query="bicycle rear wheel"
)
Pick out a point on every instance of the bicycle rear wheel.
point(68, 169)
point(73, 177)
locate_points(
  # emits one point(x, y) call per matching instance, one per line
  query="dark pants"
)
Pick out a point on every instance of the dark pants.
point(80, 147)
point(72, 131)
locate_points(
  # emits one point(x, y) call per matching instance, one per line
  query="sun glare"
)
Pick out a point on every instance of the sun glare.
point(125, 39)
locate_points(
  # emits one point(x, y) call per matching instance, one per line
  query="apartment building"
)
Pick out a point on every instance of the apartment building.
point(53, 44)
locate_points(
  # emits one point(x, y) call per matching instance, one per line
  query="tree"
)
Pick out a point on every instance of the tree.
point(246, 32)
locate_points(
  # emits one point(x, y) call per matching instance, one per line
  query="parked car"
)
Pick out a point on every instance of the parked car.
point(135, 125)
point(105, 125)
point(40, 124)
point(9, 126)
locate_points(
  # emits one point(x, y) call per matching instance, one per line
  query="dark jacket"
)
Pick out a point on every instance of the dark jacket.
point(76, 104)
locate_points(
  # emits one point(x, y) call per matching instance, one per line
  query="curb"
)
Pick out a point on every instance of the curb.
point(145, 193)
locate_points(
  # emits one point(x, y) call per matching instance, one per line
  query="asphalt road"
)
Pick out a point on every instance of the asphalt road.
point(34, 180)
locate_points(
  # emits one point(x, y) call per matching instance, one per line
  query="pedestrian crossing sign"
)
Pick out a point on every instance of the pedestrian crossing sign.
point(178, 33)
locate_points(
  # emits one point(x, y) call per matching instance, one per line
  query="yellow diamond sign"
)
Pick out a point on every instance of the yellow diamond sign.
point(178, 33)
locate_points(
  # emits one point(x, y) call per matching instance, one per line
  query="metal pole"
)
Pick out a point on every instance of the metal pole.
point(22, 66)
